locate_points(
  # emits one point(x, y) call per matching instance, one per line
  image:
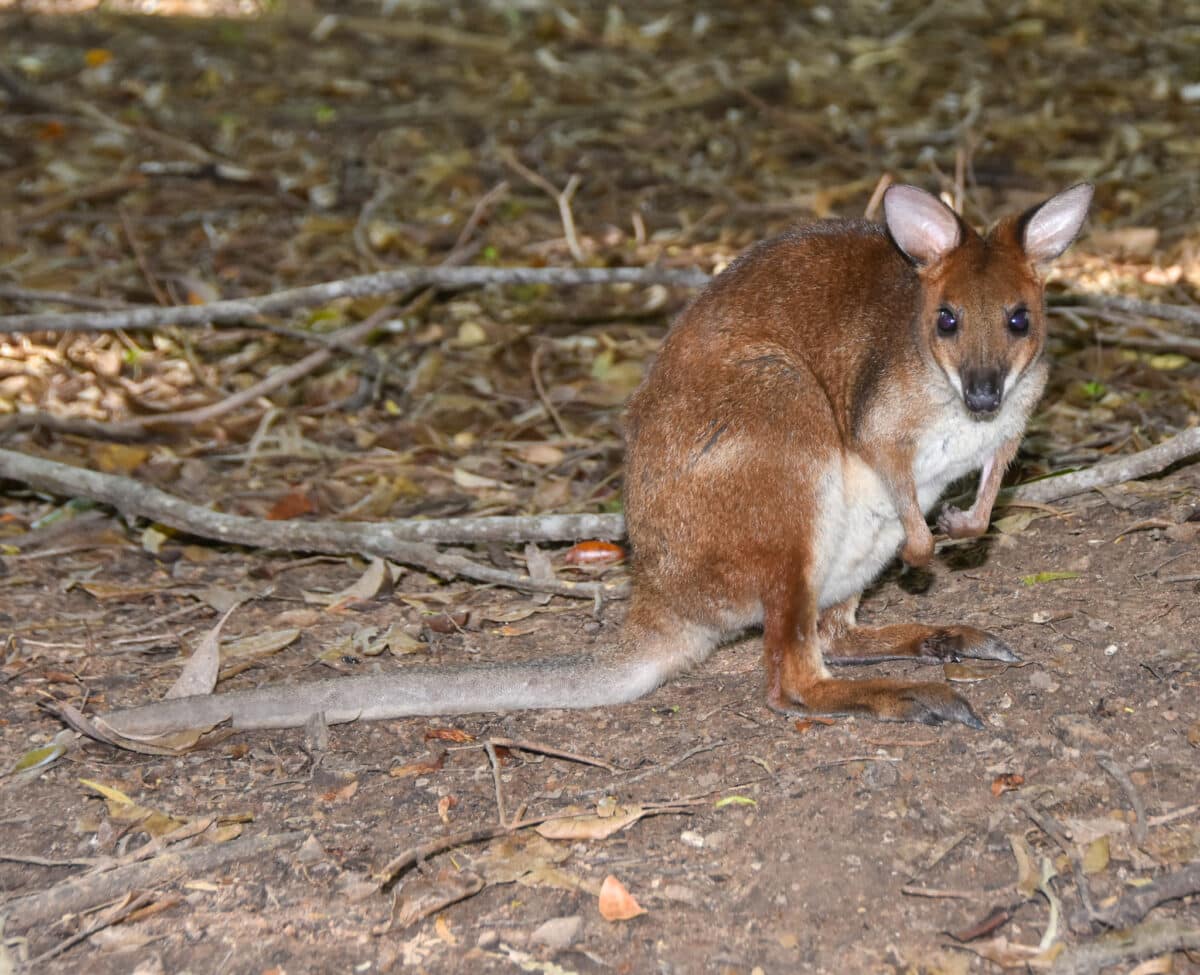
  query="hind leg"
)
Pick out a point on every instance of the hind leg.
point(797, 676)
point(846, 642)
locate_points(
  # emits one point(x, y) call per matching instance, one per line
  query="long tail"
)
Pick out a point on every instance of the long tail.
point(562, 682)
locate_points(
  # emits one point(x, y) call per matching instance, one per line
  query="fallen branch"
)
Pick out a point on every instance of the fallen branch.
point(1145, 941)
point(362, 286)
point(381, 538)
point(78, 895)
point(1122, 779)
point(1050, 826)
point(114, 915)
point(389, 540)
point(1131, 306)
point(1118, 470)
point(1137, 903)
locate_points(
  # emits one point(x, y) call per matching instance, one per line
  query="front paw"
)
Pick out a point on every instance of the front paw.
point(960, 524)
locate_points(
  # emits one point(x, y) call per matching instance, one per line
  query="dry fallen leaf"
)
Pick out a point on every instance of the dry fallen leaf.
point(1095, 857)
point(591, 827)
point(447, 622)
point(594, 553)
point(424, 895)
point(344, 794)
point(117, 458)
point(199, 674)
point(418, 768)
point(1008, 782)
point(805, 724)
point(123, 809)
point(293, 505)
point(442, 927)
point(542, 454)
point(448, 734)
point(616, 903)
point(1027, 875)
point(510, 858)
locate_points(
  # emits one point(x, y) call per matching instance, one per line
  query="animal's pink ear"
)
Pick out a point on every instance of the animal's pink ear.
point(921, 225)
point(1048, 229)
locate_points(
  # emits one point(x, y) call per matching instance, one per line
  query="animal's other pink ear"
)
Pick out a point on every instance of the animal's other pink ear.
point(921, 225)
point(1048, 229)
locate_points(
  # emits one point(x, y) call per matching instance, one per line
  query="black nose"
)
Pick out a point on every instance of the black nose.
point(981, 391)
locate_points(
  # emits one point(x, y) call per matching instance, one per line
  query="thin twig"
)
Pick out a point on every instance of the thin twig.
point(912, 890)
point(525, 745)
point(478, 215)
point(14, 293)
point(1131, 792)
point(1173, 815)
point(139, 255)
point(101, 190)
point(1050, 826)
point(876, 199)
point(539, 387)
point(362, 286)
point(105, 920)
point(561, 197)
point(490, 748)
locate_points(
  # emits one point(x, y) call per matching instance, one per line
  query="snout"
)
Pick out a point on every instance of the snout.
point(982, 391)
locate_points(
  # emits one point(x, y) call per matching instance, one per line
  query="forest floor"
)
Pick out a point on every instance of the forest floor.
point(160, 161)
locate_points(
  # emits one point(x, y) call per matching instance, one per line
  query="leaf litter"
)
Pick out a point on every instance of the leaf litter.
point(691, 137)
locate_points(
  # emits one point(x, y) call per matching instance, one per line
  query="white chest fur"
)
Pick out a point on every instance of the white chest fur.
point(859, 527)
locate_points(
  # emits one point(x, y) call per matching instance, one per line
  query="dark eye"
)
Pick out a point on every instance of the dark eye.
point(947, 322)
point(1018, 321)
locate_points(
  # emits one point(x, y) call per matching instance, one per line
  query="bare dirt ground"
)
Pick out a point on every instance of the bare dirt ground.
point(785, 846)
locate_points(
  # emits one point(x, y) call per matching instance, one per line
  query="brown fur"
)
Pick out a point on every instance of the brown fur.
point(815, 346)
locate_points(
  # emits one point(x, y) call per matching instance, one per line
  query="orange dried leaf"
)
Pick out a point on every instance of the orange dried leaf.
point(97, 56)
point(343, 794)
point(804, 724)
point(594, 553)
point(1008, 782)
point(616, 903)
point(418, 768)
point(293, 505)
point(447, 622)
point(448, 734)
point(52, 131)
